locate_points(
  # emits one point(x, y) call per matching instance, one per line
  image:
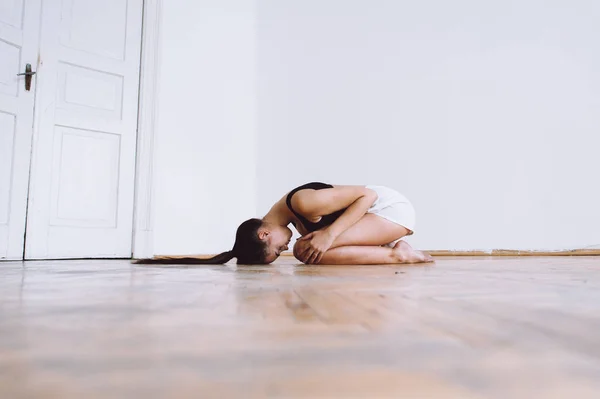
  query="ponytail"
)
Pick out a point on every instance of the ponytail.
point(248, 249)
point(188, 260)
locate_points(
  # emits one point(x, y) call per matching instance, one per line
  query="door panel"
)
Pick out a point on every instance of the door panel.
point(81, 200)
point(11, 13)
point(19, 32)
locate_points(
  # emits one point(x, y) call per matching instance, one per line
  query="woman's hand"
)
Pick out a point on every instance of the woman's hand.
point(314, 245)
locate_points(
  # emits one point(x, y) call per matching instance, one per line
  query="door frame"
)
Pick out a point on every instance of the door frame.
point(143, 215)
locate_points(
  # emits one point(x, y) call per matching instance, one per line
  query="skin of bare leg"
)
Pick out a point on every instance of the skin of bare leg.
point(361, 244)
point(373, 255)
point(370, 230)
point(360, 255)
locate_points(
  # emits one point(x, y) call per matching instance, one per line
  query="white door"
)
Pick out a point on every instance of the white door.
point(19, 24)
point(82, 171)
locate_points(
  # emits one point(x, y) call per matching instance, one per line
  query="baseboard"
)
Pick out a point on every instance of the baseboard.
point(515, 252)
point(508, 252)
point(442, 253)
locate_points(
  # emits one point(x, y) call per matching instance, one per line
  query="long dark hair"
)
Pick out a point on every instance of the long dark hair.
point(248, 249)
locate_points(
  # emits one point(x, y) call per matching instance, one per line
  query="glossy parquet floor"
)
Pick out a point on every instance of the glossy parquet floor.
point(462, 328)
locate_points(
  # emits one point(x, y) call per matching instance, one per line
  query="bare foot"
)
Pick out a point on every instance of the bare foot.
point(406, 254)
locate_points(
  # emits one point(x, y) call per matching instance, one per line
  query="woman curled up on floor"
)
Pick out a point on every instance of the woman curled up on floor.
point(340, 225)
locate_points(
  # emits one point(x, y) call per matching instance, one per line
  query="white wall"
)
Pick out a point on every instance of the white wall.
point(486, 114)
point(205, 175)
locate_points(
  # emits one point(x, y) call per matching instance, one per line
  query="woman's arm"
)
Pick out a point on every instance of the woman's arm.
point(312, 203)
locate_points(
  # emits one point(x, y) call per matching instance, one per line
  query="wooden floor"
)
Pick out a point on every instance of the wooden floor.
point(462, 328)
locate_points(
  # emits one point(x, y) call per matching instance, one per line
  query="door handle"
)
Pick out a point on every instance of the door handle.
point(28, 74)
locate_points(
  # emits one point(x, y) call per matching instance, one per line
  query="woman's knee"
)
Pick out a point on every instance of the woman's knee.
point(299, 247)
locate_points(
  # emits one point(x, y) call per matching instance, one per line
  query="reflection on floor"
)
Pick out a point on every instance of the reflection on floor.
point(464, 327)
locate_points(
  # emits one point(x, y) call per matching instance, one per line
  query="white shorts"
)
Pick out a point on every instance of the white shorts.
point(393, 206)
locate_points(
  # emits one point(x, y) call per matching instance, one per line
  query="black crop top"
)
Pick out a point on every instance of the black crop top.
point(325, 221)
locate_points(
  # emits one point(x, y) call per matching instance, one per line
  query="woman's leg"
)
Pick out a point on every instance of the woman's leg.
point(361, 244)
point(360, 255)
point(370, 230)
point(372, 255)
